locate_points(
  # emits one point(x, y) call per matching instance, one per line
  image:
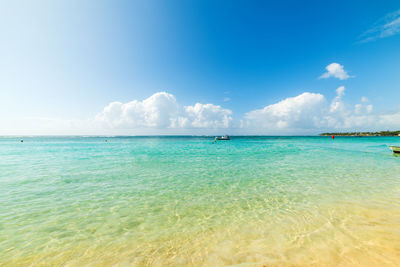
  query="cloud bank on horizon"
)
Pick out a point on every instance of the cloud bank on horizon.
point(307, 113)
point(161, 113)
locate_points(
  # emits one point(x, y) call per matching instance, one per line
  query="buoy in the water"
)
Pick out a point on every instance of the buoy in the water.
point(22, 141)
point(333, 137)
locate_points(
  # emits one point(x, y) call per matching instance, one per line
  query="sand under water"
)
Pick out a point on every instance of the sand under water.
point(186, 201)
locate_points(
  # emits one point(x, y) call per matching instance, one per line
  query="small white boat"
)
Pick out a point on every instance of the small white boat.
point(225, 137)
point(395, 149)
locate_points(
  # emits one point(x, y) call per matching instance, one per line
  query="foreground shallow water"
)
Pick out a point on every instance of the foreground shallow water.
point(185, 201)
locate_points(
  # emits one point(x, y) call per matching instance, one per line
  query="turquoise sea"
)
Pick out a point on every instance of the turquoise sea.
point(186, 201)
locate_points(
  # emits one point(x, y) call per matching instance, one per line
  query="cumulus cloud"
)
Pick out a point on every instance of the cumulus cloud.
point(154, 112)
point(342, 118)
point(312, 113)
point(387, 26)
point(340, 91)
point(204, 116)
point(161, 111)
point(335, 70)
point(307, 113)
point(362, 109)
point(337, 104)
point(300, 112)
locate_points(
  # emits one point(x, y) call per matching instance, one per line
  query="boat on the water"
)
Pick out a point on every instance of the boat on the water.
point(225, 137)
point(395, 149)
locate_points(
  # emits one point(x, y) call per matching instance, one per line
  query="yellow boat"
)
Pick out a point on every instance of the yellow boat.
point(395, 149)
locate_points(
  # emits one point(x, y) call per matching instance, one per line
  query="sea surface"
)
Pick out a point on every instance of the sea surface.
point(186, 201)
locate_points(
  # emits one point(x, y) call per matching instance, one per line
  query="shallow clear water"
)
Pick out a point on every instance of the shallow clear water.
point(185, 201)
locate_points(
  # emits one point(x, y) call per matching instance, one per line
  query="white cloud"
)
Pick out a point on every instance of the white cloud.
point(362, 109)
point(161, 111)
point(387, 26)
point(340, 91)
point(153, 112)
point(309, 113)
point(364, 99)
point(337, 104)
point(335, 70)
point(204, 116)
point(300, 112)
point(226, 99)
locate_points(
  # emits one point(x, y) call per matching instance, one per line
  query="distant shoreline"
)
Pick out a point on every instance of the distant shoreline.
point(381, 133)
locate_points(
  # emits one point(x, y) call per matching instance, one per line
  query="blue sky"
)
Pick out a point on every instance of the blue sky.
point(63, 63)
